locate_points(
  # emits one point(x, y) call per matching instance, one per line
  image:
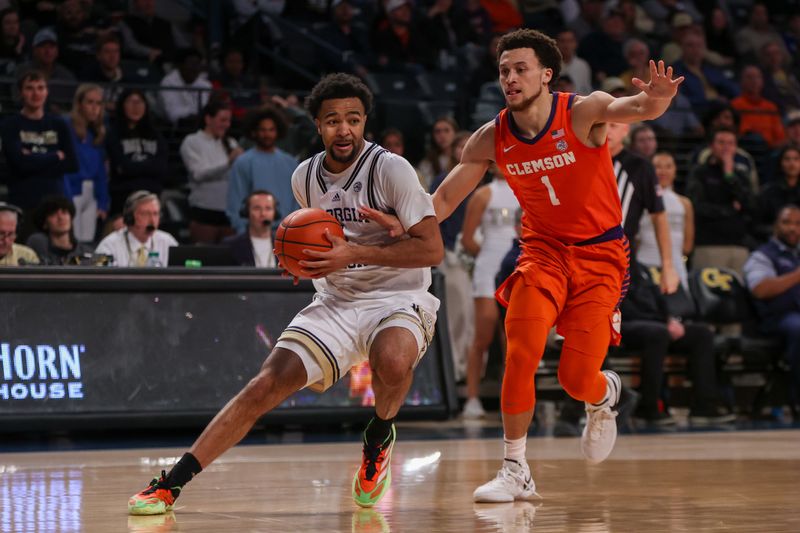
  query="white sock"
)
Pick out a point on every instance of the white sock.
point(515, 449)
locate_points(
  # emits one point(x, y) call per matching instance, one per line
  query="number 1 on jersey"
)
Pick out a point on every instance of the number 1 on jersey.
point(550, 190)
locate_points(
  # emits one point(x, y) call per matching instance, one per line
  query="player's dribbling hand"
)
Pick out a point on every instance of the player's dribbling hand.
point(390, 222)
point(661, 83)
point(338, 257)
point(285, 273)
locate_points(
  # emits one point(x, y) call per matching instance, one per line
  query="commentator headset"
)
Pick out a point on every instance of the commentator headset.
point(4, 206)
point(244, 211)
point(131, 203)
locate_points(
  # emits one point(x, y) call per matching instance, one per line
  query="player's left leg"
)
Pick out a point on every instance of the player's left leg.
point(392, 356)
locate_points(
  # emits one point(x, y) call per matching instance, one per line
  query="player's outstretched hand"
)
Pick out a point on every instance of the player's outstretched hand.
point(337, 258)
point(661, 83)
point(390, 222)
point(285, 273)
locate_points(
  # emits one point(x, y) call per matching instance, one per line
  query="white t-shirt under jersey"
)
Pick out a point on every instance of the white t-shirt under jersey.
point(379, 179)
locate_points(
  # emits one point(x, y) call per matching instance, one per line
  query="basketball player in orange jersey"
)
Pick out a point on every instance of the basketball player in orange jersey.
point(552, 149)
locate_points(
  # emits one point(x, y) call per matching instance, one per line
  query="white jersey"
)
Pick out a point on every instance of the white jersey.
point(378, 179)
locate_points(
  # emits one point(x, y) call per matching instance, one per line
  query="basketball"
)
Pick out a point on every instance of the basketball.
point(304, 229)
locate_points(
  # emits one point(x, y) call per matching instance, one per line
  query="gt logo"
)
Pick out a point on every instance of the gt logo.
point(713, 278)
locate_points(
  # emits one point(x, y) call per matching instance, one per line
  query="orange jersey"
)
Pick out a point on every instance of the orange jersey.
point(567, 190)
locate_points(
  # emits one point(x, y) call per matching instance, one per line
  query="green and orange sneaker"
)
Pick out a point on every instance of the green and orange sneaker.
point(373, 478)
point(157, 498)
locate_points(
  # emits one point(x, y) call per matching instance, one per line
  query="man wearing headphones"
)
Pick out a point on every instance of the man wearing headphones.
point(253, 247)
point(12, 254)
point(140, 239)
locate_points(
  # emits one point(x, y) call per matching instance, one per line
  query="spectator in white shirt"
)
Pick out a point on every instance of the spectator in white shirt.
point(180, 105)
point(208, 155)
point(140, 243)
point(573, 66)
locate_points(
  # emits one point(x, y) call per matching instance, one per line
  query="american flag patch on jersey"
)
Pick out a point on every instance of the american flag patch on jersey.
point(556, 134)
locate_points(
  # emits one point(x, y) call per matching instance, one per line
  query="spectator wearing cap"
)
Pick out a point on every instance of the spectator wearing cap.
point(703, 82)
point(186, 89)
point(399, 39)
point(663, 11)
point(602, 49)
point(614, 86)
point(681, 25)
point(54, 242)
point(11, 253)
point(573, 66)
point(758, 115)
point(44, 56)
point(793, 127)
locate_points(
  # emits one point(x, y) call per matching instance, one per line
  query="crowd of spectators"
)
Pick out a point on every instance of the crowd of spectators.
point(120, 107)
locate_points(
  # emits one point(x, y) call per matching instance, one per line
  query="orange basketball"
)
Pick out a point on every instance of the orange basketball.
point(304, 229)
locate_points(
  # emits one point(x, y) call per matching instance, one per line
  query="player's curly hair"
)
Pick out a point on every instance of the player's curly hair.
point(543, 46)
point(338, 85)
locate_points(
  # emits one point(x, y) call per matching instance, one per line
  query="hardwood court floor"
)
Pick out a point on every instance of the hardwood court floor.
point(731, 481)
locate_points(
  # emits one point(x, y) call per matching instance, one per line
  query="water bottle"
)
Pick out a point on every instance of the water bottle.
point(153, 260)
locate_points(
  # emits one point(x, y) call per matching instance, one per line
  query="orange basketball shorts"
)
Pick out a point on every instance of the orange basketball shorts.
point(585, 283)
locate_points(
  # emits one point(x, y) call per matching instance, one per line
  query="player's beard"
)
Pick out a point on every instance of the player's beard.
point(348, 158)
point(525, 104)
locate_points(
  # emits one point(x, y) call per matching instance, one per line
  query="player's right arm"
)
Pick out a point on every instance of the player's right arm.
point(478, 154)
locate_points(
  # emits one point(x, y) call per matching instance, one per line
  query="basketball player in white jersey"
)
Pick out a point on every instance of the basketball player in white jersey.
point(371, 301)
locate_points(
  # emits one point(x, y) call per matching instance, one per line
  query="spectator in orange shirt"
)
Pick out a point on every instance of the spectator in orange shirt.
point(758, 115)
point(504, 14)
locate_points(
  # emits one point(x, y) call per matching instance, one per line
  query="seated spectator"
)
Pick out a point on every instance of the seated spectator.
point(54, 242)
point(758, 115)
point(637, 22)
point(88, 187)
point(38, 148)
point(680, 219)
point(139, 243)
point(722, 200)
point(575, 67)
point(185, 105)
point(662, 12)
point(11, 253)
point(440, 152)
point(785, 189)
point(399, 40)
point(603, 49)
point(44, 56)
point(718, 116)
point(650, 328)
point(449, 29)
point(302, 139)
point(704, 82)
point(588, 19)
point(208, 155)
point(719, 36)
point(637, 54)
point(614, 86)
point(772, 273)
point(781, 84)
point(758, 32)
point(393, 140)
point(137, 152)
point(679, 119)
point(236, 83)
point(254, 246)
point(147, 36)
point(262, 167)
point(643, 141)
point(504, 14)
point(76, 33)
point(349, 37)
point(13, 45)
